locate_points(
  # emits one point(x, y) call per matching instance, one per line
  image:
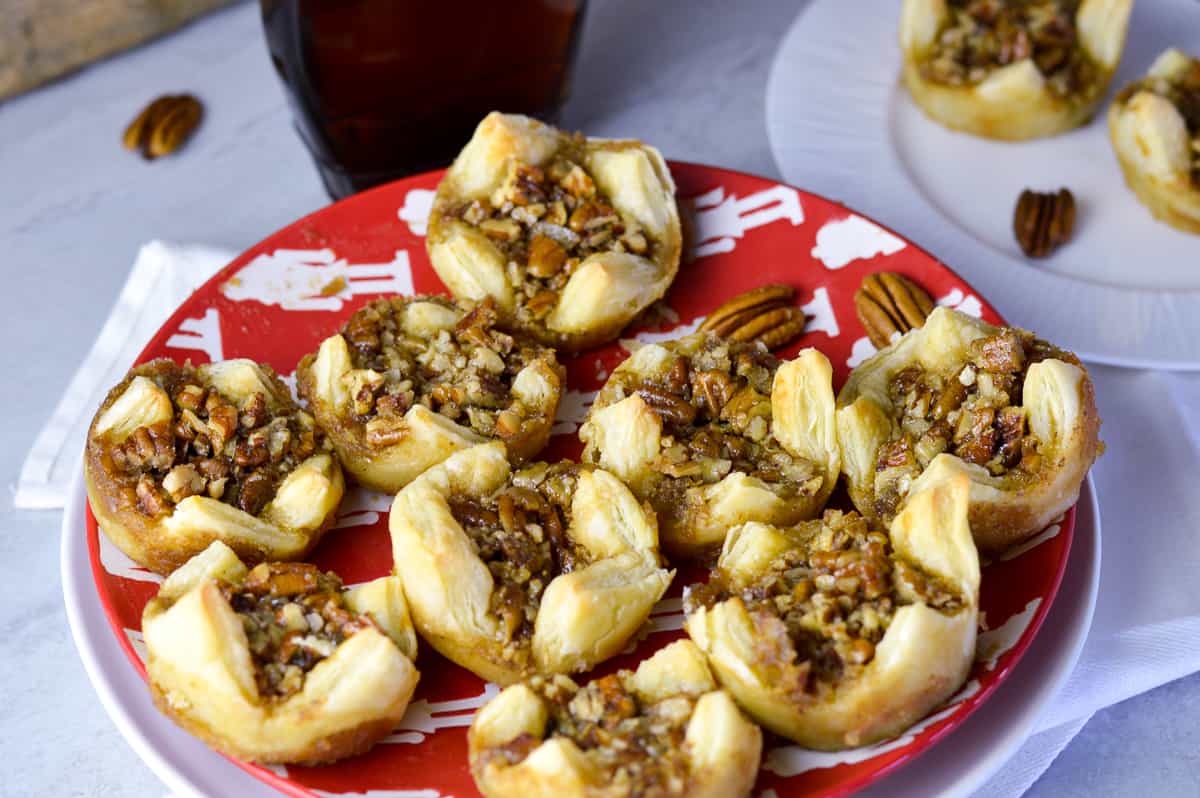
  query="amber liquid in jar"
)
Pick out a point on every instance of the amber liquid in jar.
point(381, 89)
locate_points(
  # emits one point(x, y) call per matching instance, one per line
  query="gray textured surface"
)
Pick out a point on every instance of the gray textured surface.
point(688, 76)
point(1146, 746)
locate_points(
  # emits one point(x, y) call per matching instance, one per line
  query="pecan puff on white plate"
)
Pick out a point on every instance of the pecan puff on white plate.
point(714, 433)
point(1014, 413)
point(1011, 69)
point(571, 236)
point(834, 633)
point(665, 729)
point(550, 569)
point(279, 663)
point(180, 456)
point(1154, 125)
point(409, 380)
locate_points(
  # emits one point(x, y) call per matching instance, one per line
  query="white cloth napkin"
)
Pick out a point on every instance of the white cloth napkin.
point(162, 277)
point(1146, 629)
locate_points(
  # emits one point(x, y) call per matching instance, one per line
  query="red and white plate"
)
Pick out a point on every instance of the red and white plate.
point(278, 300)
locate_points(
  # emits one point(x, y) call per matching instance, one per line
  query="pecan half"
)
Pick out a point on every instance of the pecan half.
point(763, 314)
point(671, 408)
point(164, 125)
point(888, 303)
point(1042, 222)
point(773, 328)
point(738, 310)
point(717, 388)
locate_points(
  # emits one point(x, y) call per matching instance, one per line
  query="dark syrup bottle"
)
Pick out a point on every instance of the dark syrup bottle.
point(381, 89)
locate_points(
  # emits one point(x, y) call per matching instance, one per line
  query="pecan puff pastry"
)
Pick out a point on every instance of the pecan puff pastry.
point(180, 456)
point(409, 380)
point(833, 633)
point(665, 729)
point(279, 664)
point(1011, 69)
point(550, 569)
point(1017, 414)
point(571, 236)
point(1154, 125)
point(714, 433)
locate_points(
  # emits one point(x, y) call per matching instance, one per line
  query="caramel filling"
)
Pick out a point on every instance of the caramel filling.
point(973, 412)
point(546, 221)
point(982, 36)
point(820, 609)
point(520, 534)
point(640, 747)
point(465, 374)
point(238, 454)
point(294, 616)
point(716, 411)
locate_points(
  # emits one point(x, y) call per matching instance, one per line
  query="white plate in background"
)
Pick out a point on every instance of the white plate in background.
point(1125, 290)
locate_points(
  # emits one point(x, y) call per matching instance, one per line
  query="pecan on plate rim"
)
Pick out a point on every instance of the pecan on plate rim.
point(889, 304)
point(764, 315)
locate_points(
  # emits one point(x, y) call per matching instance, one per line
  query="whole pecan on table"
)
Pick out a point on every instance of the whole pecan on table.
point(1043, 221)
point(889, 304)
point(164, 125)
point(764, 314)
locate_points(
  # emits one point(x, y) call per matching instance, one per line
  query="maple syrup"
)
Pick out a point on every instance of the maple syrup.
point(381, 89)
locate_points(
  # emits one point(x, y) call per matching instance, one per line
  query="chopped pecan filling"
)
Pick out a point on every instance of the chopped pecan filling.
point(640, 747)
point(1183, 91)
point(294, 616)
point(520, 534)
point(974, 413)
point(716, 411)
point(236, 453)
point(984, 35)
point(820, 609)
point(465, 374)
point(546, 221)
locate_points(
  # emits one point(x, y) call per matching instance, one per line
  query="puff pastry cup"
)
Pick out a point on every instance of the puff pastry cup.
point(665, 729)
point(714, 433)
point(1011, 69)
point(550, 569)
point(1154, 125)
point(409, 380)
point(571, 236)
point(279, 664)
point(835, 634)
point(1017, 415)
point(180, 456)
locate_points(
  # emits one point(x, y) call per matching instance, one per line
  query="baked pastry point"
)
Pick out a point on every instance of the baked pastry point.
point(714, 433)
point(550, 569)
point(279, 664)
point(571, 236)
point(180, 456)
point(1154, 125)
point(1017, 416)
point(836, 635)
point(1046, 75)
point(665, 729)
point(410, 380)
